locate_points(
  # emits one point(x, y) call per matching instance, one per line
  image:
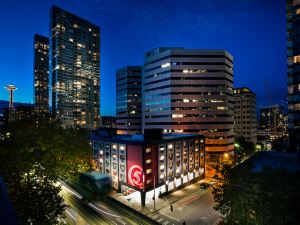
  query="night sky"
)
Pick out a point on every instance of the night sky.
point(253, 31)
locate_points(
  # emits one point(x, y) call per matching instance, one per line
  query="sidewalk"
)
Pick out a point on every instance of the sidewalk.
point(159, 202)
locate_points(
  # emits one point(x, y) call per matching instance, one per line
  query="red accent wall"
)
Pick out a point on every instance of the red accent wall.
point(134, 157)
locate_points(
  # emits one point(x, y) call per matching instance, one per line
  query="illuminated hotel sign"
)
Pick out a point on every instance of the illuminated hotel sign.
point(135, 176)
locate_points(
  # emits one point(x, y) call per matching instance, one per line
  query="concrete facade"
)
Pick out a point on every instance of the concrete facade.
point(190, 91)
point(245, 120)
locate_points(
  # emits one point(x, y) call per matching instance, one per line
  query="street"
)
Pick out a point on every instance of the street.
point(194, 209)
point(97, 212)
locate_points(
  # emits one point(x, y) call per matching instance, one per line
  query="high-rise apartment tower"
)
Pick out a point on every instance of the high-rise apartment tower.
point(75, 69)
point(293, 72)
point(41, 73)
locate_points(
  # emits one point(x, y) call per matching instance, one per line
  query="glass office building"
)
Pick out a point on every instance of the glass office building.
point(75, 69)
point(190, 91)
point(129, 99)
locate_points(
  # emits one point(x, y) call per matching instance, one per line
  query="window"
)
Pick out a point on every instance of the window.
point(148, 171)
point(297, 59)
point(148, 161)
point(148, 150)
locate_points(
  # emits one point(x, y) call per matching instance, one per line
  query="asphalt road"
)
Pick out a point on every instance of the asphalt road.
point(194, 209)
point(98, 212)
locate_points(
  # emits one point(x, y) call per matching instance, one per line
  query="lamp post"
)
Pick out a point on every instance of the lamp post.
point(154, 193)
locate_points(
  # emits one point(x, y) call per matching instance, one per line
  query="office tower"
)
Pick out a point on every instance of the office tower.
point(293, 68)
point(128, 100)
point(75, 69)
point(41, 73)
point(190, 91)
point(245, 123)
point(273, 121)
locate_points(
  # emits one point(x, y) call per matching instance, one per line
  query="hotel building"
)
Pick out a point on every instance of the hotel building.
point(293, 72)
point(75, 69)
point(245, 122)
point(41, 73)
point(129, 99)
point(190, 91)
point(142, 162)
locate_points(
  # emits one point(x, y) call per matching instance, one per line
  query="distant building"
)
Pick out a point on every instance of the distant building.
point(129, 99)
point(273, 120)
point(245, 122)
point(41, 73)
point(190, 91)
point(138, 162)
point(75, 69)
point(18, 113)
point(108, 121)
point(293, 71)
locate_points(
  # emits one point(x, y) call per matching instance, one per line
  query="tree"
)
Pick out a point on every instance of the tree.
point(36, 151)
point(261, 198)
point(243, 148)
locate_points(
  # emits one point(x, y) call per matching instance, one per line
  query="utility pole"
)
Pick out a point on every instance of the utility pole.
point(154, 193)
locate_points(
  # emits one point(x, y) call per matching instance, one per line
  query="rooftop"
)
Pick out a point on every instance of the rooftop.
point(276, 160)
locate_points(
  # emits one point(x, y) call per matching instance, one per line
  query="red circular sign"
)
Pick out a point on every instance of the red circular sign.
point(135, 176)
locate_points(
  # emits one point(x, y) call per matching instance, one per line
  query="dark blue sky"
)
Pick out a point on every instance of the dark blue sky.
point(253, 31)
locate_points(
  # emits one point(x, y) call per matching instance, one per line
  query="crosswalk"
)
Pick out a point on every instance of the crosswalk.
point(162, 219)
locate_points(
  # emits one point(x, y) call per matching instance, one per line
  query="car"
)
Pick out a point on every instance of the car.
point(204, 185)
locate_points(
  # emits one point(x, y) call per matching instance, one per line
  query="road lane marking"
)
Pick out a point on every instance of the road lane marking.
point(190, 200)
point(166, 222)
point(170, 217)
point(121, 221)
point(71, 215)
point(96, 208)
point(73, 192)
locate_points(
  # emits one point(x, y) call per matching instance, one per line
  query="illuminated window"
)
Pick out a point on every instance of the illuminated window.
point(170, 146)
point(297, 11)
point(165, 65)
point(71, 39)
point(177, 115)
point(297, 59)
point(148, 171)
point(148, 150)
point(162, 176)
point(162, 158)
point(148, 161)
point(149, 181)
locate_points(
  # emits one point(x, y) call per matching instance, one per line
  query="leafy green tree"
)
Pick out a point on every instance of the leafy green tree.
point(243, 148)
point(260, 198)
point(35, 151)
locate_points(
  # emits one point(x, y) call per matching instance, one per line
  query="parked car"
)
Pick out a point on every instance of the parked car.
point(204, 185)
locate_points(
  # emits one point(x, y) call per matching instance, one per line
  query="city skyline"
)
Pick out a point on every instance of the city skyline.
point(126, 38)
